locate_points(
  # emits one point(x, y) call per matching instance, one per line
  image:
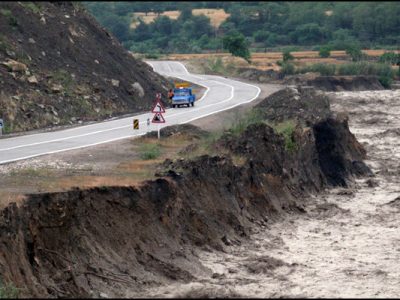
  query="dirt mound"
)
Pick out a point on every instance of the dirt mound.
point(59, 67)
point(187, 130)
point(337, 83)
point(335, 147)
point(302, 103)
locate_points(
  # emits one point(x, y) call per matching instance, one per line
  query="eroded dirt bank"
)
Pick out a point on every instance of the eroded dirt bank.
point(131, 241)
point(347, 242)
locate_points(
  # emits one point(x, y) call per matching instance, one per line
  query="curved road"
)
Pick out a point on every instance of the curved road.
point(221, 94)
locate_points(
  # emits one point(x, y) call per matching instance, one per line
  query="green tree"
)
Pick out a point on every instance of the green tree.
point(390, 57)
point(261, 36)
point(308, 34)
point(236, 44)
point(186, 14)
point(325, 52)
point(287, 56)
point(354, 50)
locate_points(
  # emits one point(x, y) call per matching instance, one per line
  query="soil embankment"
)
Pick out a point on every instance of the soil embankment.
point(337, 83)
point(122, 241)
point(346, 243)
point(323, 83)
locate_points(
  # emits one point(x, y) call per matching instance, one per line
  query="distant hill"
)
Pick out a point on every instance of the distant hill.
point(58, 66)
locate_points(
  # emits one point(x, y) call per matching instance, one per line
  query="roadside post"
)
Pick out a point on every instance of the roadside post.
point(135, 123)
point(1, 126)
point(148, 124)
point(158, 110)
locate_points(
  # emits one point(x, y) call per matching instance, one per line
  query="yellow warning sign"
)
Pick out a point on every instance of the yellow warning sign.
point(182, 84)
point(135, 123)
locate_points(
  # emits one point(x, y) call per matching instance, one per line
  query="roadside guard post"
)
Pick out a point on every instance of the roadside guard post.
point(1, 126)
point(135, 123)
point(158, 110)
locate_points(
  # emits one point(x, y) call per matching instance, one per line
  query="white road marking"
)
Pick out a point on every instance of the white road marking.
point(72, 148)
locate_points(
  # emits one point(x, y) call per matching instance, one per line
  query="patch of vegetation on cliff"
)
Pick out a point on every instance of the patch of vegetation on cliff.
point(8, 291)
point(287, 128)
point(240, 124)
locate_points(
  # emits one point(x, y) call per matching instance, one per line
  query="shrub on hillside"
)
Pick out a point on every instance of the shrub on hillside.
point(287, 69)
point(324, 52)
point(355, 52)
point(384, 72)
point(390, 58)
point(323, 69)
point(287, 56)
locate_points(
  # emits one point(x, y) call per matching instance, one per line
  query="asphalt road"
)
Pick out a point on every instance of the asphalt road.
point(221, 94)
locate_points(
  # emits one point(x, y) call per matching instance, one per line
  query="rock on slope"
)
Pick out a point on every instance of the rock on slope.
point(123, 240)
point(58, 66)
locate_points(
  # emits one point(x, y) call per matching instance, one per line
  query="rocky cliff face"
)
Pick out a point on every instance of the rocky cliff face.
point(59, 67)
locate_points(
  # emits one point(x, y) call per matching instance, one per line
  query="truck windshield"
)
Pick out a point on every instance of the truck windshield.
point(181, 93)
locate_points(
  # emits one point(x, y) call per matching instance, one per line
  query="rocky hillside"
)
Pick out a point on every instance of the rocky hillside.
point(59, 67)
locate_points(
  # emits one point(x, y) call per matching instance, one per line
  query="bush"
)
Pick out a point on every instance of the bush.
point(252, 117)
point(149, 151)
point(384, 72)
point(152, 55)
point(287, 69)
point(355, 52)
point(390, 58)
point(287, 56)
point(324, 52)
point(365, 68)
point(323, 69)
point(236, 44)
point(261, 36)
point(286, 128)
point(8, 290)
point(385, 81)
point(32, 6)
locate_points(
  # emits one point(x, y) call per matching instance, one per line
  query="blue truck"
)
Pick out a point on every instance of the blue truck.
point(183, 96)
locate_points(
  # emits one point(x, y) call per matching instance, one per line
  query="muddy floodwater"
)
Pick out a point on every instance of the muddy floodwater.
point(347, 244)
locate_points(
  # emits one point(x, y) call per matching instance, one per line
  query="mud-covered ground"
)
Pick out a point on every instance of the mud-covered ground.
point(348, 242)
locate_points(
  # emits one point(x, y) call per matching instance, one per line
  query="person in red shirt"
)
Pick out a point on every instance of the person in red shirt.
point(170, 94)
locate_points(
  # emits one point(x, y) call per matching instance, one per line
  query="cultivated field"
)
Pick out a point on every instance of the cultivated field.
point(217, 16)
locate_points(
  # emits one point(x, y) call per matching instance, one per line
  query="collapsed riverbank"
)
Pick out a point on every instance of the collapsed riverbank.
point(121, 241)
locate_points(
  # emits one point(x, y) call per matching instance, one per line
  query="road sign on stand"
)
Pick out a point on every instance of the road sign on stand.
point(158, 118)
point(158, 110)
point(158, 107)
